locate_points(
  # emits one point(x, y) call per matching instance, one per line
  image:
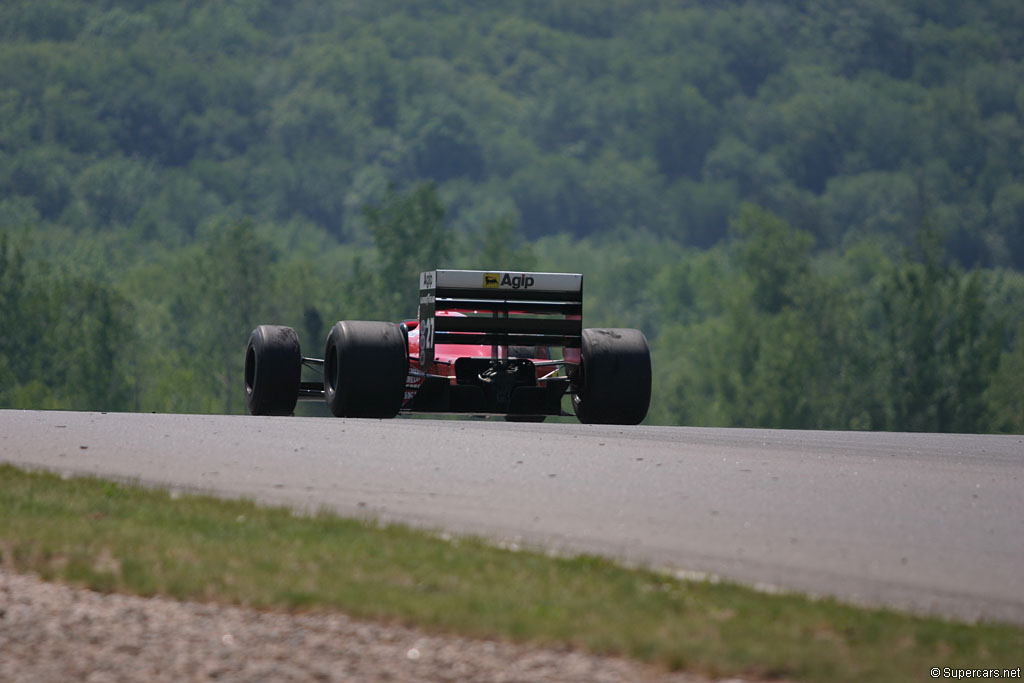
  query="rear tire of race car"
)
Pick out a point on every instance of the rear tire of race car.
point(365, 368)
point(273, 370)
point(613, 381)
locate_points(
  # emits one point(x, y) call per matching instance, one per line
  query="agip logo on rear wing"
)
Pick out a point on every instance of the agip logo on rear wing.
point(501, 292)
point(482, 279)
point(509, 280)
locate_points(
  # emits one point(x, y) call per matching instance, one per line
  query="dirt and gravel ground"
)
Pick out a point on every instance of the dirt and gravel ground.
point(54, 633)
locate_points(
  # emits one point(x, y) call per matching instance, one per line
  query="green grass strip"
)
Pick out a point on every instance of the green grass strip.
point(114, 537)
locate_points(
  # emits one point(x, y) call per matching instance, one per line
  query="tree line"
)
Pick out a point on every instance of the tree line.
point(814, 209)
point(760, 331)
point(847, 120)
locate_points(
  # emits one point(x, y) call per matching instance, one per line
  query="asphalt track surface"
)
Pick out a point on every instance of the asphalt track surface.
point(922, 522)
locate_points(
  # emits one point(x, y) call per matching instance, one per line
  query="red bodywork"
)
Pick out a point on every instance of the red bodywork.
point(445, 356)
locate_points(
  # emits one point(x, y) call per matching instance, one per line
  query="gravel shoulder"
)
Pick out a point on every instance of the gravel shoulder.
point(52, 632)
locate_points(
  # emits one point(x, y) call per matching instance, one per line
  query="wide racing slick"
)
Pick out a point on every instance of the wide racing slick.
point(484, 343)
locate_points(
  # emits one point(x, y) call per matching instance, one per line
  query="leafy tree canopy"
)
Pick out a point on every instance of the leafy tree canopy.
point(843, 119)
point(813, 209)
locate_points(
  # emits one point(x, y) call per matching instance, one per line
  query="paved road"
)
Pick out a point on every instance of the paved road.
point(925, 522)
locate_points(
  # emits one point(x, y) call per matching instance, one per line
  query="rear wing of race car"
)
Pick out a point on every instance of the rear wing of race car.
point(526, 309)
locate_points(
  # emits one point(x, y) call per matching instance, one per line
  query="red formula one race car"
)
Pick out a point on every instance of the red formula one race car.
point(485, 343)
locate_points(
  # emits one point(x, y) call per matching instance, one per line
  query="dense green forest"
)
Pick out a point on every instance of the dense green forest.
point(814, 209)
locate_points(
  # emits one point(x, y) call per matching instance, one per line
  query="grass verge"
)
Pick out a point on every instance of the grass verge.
point(114, 537)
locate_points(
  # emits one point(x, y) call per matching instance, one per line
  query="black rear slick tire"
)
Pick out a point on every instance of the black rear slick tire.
point(365, 369)
point(613, 381)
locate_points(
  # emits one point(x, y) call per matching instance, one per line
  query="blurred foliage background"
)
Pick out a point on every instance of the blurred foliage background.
point(813, 209)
